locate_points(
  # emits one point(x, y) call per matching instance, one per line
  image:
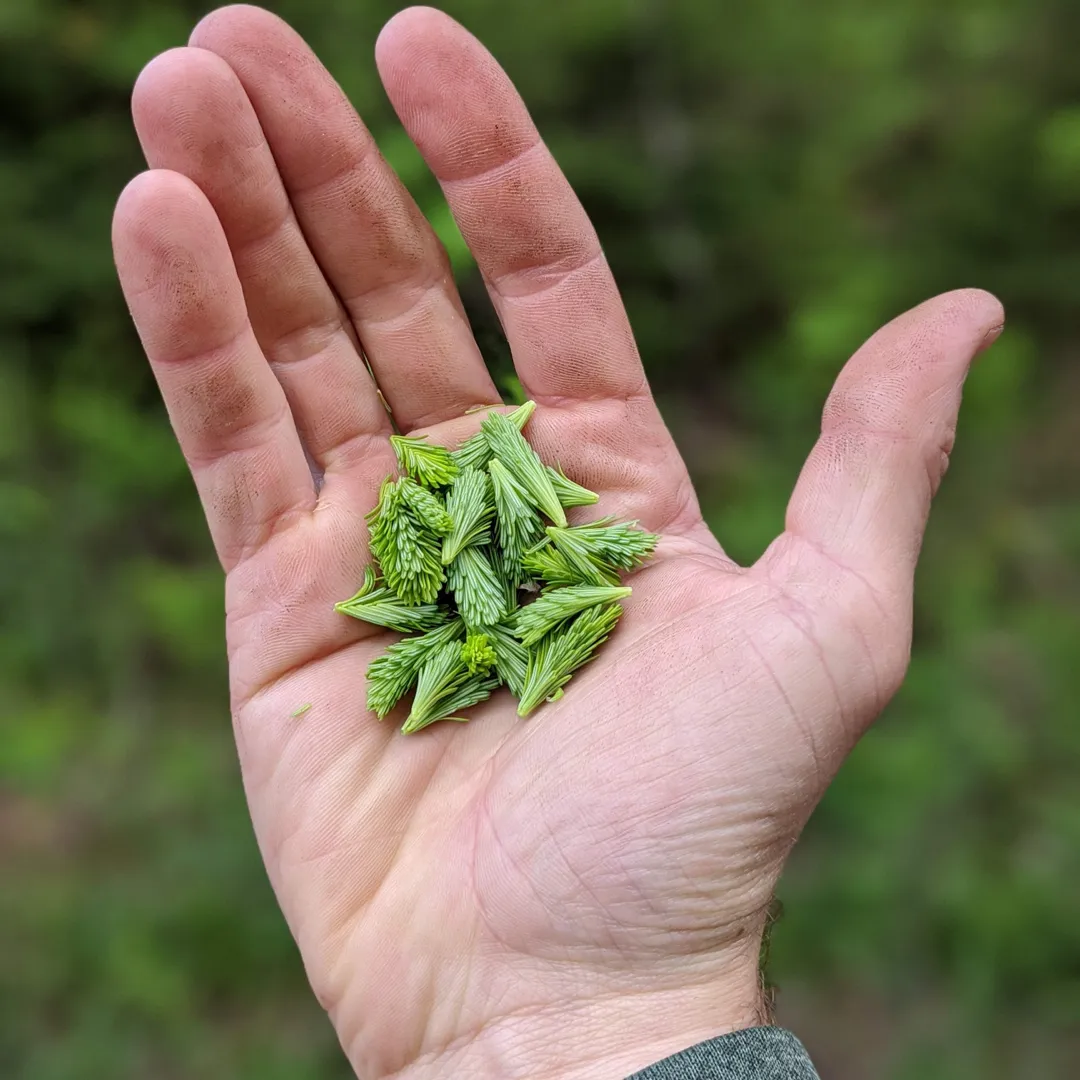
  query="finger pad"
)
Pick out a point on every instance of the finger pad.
point(175, 268)
point(293, 94)
point(451, 94)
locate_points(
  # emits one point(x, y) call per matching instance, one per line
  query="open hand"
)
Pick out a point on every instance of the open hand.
point(584, 892)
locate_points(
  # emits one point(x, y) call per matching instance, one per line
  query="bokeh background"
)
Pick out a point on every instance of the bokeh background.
point(771, 180)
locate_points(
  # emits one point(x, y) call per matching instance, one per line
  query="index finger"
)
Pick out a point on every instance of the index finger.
point(532, 239)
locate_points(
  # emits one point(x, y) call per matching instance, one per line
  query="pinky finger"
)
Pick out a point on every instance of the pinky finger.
point(228, 410)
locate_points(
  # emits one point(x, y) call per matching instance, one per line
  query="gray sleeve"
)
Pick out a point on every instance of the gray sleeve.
point(763, 1053)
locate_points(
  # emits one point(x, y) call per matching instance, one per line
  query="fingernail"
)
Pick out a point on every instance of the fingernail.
point(992, 336)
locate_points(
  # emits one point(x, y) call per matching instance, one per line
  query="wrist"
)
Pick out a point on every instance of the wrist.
point(612, 1034)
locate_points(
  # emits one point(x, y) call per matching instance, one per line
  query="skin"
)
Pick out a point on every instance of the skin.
point(582, 893)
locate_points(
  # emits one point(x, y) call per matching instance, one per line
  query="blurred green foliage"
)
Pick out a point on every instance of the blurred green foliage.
point(771, 180)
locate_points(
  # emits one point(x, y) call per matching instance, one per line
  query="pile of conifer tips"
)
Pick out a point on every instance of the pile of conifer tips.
point(461, 539)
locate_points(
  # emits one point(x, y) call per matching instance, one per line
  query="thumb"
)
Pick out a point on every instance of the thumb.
point(886, 434)
point(856, 519)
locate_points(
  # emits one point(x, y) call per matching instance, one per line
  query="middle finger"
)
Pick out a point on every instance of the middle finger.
point(369, 236)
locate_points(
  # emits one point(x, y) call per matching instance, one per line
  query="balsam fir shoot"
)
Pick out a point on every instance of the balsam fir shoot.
point(474, 556)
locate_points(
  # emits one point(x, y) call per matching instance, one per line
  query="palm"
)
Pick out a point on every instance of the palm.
point(617, 851)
